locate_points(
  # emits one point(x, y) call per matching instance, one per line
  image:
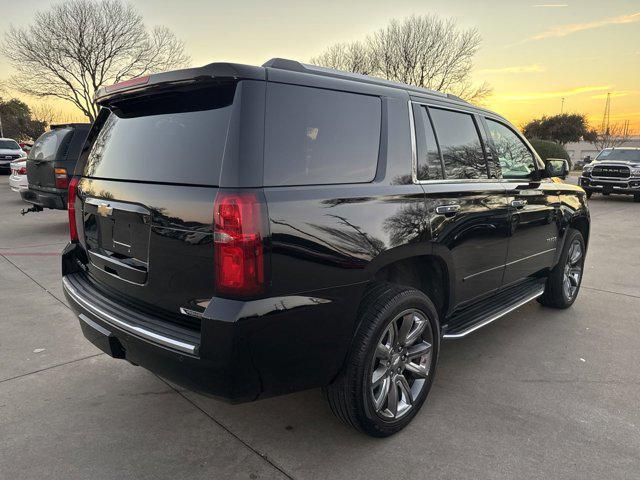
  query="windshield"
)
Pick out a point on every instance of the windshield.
point(47, 144)
point(618, 154)
point(9, 145)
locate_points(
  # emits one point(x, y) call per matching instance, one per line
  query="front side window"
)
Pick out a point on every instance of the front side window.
point(460, 144)
point(516, 161)
point(317, 136)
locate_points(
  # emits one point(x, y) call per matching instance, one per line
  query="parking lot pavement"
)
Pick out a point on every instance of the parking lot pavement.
point(539, 394)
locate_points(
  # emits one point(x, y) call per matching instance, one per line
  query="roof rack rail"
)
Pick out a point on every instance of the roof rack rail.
point(295, 66)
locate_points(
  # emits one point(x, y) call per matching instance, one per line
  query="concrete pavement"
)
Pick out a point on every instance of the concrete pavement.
point(538, 394)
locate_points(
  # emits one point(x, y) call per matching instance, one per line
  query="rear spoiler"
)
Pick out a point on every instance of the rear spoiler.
point(211, 72)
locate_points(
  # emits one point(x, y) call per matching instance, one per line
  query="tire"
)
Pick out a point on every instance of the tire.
point(353, 396)
point(589, 193)
point(636, 197)
point(556, 293)
point(606, 194)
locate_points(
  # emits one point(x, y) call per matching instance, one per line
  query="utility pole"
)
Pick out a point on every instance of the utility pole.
point(562, 106)
point(606, 118)
point(1, 130)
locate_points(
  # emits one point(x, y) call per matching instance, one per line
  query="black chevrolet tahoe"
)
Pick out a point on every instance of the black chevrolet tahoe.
point(289, 226)
point(51, 163)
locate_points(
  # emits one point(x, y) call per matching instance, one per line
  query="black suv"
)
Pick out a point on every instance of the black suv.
point(614, 170)
point(51, 163)
point(329, 230)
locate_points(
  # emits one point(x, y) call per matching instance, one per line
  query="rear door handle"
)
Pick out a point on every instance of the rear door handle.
point(447, 209)
point(518, 203)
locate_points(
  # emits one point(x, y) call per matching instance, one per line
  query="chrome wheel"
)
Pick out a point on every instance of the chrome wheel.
point(401, 364)
point(573, 269)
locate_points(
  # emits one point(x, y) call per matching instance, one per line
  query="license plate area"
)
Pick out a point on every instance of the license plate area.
point(117, 238)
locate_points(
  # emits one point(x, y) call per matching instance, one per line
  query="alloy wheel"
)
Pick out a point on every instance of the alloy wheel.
point(401, 364)
point(573, 269)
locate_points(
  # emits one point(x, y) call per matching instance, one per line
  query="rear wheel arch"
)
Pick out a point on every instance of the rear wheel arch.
point(426, 273)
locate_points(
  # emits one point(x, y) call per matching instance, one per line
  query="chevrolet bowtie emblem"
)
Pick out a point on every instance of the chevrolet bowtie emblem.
point(105, 209)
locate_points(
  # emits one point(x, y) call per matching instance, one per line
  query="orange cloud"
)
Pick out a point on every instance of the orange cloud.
point(623, 93)
point(568, 29)
point(514, 69)
point(557, 94)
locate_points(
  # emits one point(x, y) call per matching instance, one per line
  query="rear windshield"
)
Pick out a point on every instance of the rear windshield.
point(316, 136)
point(46, 147)
point(622, 155)
point(9, 145)
point(176, 137)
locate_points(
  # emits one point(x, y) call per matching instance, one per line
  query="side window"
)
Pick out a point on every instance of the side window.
point(429, 162)
point(460, 144)
point(46, 146)
point(316, 136)
point(516, 161)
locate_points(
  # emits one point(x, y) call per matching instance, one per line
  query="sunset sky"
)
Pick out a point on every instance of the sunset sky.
point(533, 53)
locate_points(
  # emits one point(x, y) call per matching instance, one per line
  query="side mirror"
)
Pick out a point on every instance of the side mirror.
point(557, 167)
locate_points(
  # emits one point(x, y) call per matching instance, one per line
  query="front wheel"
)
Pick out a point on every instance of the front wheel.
point(391, 366)
point(563, 283)
point(636, 197)
point(589, 193)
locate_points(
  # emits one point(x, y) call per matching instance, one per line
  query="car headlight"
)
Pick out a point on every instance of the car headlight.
point(635, 172)
point(587, 169)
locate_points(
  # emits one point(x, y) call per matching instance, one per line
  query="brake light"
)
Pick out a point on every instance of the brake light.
point(71, 207)
point(22, 171)
point(128, 83)
point(239, 230)
point(61, 178)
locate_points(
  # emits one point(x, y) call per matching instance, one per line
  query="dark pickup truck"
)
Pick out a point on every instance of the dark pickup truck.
point(50, 165)
point(329, 230)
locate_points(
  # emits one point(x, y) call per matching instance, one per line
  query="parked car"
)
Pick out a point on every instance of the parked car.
point(50, 165)
point(614, 170)
point(18, 179)
point(9, 151)
point(26, 146)
point(328, 230)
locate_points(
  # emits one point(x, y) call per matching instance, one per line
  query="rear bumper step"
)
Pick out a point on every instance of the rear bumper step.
point(484, 313)
point(137, 324)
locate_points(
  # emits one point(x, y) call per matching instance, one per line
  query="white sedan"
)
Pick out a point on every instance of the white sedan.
point(18, 179)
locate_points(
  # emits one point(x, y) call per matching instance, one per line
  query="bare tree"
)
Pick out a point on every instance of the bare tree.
point(50, 115)
point(613, 136)
point(77, 46)
point(425, 51)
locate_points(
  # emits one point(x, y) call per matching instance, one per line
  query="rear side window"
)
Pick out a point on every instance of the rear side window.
point(46, 146)
point(316, 136)
point(460, 144)
point(429, 162)
point(176, 137)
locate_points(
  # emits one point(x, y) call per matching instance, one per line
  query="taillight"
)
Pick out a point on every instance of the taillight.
point(239, 231)
point(71, 207)
point(22, 171)
point(61, 178)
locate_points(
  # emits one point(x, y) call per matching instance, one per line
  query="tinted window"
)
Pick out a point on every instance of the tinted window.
point(46, 147)
point(315, 136)
point(178, 137)
point(9, 144)
point(516, 161)
point(429, 163)
point(460, 144)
